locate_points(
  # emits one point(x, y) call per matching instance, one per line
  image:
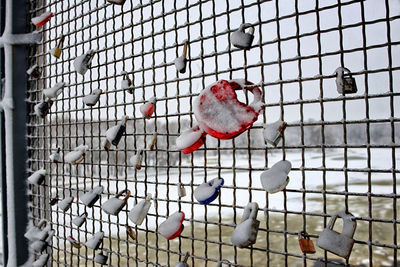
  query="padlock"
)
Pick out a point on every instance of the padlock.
point(79, 220)
point(100, 258)
point(84, 62)
point(54, 201)
point(208, 191)
point(91, 99)
point(273, 132)
point(241, 39)
point(56, 51)
point(153, 141)
point(40, 245)
point(37, 178)
point(43, 108)
point(345, 85)
point(220, 114)
point(130, 232)
point(147, 108)
point(65, 204)
point(91, 197)
point(245, 233)
point(342, 243)
point(126, 83)
point(136, 160)
point(54, 91)
point(41, 261)
point(39, 232)
point(114, 134)
point(56, 157)
point(276, 178)
point(74, 242)
point(34, 71)
point(117, 2)
point(95, 241)
point(180, 62)
point(173, 226)
point(40, 20)
point(114, 205)
point(77, 155)
point(184, 262)
point(306, 244)
point(139, 212)
point(181, 190)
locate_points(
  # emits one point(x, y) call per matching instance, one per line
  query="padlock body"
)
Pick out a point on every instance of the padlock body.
point(242, 39)
point(307, 245)
point(350, 86)
point(101, 259)
point(245, 233)
point(335, 243)
point(57, 52)
point(119, 135)
point(113, 206)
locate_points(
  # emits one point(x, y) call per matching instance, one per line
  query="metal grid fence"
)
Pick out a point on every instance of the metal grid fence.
point(343, 148)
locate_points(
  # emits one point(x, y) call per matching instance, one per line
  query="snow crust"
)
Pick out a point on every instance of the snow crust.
point(208, 189)
point(139, 212)
point(275, 179)
point(171, 225)
point(189, 137)
point(95, 240)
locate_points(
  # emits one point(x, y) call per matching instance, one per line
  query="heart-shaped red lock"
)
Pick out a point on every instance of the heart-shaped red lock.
point(220, 114)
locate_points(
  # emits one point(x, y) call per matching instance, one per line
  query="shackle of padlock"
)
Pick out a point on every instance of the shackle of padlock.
point(242, 39)
point(306, 244)
point(114, 205)
point(131, 232)
point(184, 262)
point(153, 141)
point(345, 85)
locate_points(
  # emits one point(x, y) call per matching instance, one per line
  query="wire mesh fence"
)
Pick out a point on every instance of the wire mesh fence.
point(343, 148)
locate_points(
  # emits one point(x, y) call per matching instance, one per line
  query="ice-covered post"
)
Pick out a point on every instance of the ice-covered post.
point(14, 107)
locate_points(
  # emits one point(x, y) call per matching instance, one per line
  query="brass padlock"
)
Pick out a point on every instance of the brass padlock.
point(56, 51)
point(340, 244)
point(345, 83)
point(306, 244)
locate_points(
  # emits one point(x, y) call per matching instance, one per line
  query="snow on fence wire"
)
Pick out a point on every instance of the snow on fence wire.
point(343, 148)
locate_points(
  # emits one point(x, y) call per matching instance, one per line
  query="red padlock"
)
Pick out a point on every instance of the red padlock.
point(190, 140)
point(306, 244)
point(220, 114)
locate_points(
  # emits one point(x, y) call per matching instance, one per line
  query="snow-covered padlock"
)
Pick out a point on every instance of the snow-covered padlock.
point(114, 134)
point(84, 62)
point(39, 232)
point(136, 160)
point(173, 226)
point(153, 141)
point(191, 139)
point(184, 262)
point(114, 205)
point(95, 241)
point(79, 220)
point(241, 39)
point(43, 108)
point(342, 243)
point(91, 99)
point(56, 157)
point(130, 232)
point(74, 242)
point(54, 91)
point(40, 20)
point(273, 132)
point(180, 62)
point(139, 212)
point(40, 245)
point(41, 261)
point(276, 178)
point(54, 201)
point(147, 108)
point(56, 51)
point(126, 83)
point(181, 190)
point(65, 204)
point(306, 244)
point(34, 71)
point(245, 233)
point(345, 85)
point(208, 191)
point(100, 258)
point(117, 2)
point(89, 198)
point(77, 155)
point(37, 178)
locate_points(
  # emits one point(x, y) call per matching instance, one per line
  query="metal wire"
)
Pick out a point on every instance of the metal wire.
point(292, 61)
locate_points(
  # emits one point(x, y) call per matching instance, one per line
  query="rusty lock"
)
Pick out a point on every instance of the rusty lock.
point(306, 244)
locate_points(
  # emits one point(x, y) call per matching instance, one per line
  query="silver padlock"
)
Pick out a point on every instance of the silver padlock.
point(241, 39)
point(139, 212)
point(91, 99)
point(79, 220)
point(345, 83)
point(181, 190)
point(101, 258)
point(273, 132)
point(114, 134)
point(95, 241)
point(43, 108)
point(84, 62)
point(245, 233)
point(340, 244)
point(184, 262)
point(114, 205)
point(89, 198)
point(65, 204)
point(56, 157)
point(39, 232)
point(37, 178)
point(126, 83)
point(54, 91)
point(180, 62)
